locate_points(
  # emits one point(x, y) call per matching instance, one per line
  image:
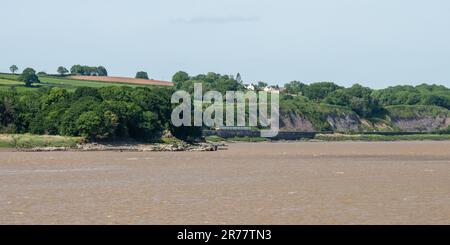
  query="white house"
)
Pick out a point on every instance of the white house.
point(250, 87)
point(272, 89)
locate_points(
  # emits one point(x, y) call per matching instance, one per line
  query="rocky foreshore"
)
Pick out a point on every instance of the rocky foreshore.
point(175, 147)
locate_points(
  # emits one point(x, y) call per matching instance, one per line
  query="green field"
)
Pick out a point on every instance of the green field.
point(236, 139)
point(29, 141)
point(8, 81)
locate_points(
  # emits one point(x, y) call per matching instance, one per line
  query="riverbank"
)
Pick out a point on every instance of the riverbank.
point(376, 137)
point(128, 147)
point(48, 143)
point(42, 143)
point(344, 137)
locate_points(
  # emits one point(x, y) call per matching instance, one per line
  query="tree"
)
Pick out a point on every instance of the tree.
point(87, 92)
point(437, 99)
point(295, 87)
point(55, 95)
point(89, 124)
point(7, 108)
point(76, 70)
point(318, 91)
point(142, 75)
point(62, 70)
point(261, 86)
point(179, 78)
point(13, 69)
point(89, 70)
point(68, 125)
point(101, 71)
point(357, 98)
point(239, 78)
point(29, 77)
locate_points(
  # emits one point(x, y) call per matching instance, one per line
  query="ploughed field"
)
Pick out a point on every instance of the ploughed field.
point(251, 183)
point(125, 80)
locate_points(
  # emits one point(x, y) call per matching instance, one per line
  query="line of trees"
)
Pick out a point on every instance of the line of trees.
point(88, 70)
point(367, 102)
point(76, 70)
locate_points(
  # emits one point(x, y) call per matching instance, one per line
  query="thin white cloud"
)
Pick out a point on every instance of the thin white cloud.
point(215, 19)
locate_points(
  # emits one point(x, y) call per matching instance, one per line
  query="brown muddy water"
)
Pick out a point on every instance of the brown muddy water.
point(251, 183)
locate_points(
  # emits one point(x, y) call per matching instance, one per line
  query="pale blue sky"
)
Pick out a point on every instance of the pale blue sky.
point(374, 42)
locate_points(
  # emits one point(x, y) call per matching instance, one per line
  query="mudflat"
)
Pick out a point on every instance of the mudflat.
point(251, 183)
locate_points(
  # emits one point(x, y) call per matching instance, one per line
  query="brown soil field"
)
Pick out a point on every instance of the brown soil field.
point(122, 80)
point(251, 183)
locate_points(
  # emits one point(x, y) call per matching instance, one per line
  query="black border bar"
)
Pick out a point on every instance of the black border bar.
point(267, 234)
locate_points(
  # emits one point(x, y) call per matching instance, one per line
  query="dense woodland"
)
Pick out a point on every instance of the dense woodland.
point(143, 113)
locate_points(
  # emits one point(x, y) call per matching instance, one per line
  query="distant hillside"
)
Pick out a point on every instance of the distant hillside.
point(8, 81)
point(114, 108)
point(423, 108)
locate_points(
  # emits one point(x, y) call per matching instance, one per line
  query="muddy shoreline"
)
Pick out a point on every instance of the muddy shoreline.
point(128, 147)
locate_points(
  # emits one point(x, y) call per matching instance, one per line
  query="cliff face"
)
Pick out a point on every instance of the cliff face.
point(419, 118)
point(294, 122)
point(344, 123)
point(423, 124)
point(353, 123)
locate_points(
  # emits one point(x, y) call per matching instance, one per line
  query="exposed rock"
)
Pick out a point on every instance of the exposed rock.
point(344, 123)
point(295, 122)
point(176, 147)
point(353, 123)
point(424, 124)
point(43, 149)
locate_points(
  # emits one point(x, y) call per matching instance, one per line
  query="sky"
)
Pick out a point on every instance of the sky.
point(377, 43)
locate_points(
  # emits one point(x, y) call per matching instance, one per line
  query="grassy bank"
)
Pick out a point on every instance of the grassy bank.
point(30, 141)
point(372, 137)
point(236, 139)
point(345, 137)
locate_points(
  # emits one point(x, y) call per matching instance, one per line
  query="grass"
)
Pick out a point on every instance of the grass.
point(8, 81)
point(166, 140)
point(373, 137)
point(30, 141)
point(236, 139)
